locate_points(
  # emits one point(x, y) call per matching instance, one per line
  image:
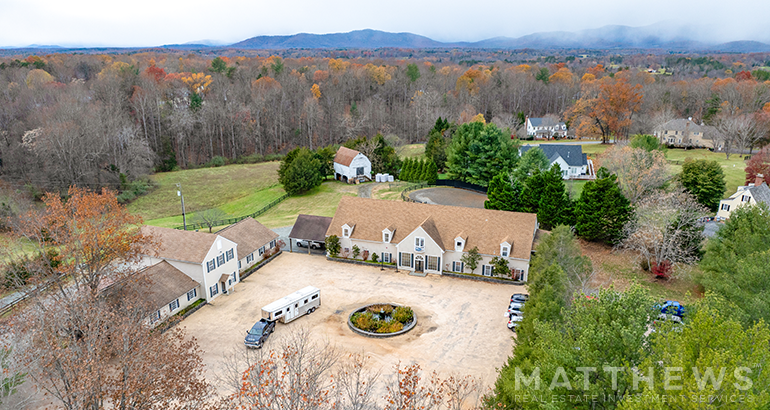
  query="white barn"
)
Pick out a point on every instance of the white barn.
point(351, 165)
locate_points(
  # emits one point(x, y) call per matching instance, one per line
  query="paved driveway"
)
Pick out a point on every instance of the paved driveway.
point(461, 323)
point(449, 196)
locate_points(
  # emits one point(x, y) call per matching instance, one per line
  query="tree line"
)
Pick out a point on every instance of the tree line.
point(87, 120)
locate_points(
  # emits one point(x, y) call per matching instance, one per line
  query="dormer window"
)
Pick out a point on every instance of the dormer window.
point(459, 244)
point(346, 233)
point(505, 249)
point(386, 237)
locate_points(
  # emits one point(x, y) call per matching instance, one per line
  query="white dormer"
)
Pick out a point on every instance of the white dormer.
point(387, 235)
point(347, 230)
point(459, 244)
point(505, 249)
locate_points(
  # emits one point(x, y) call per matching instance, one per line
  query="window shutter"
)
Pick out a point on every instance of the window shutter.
point(411, 260)
point(439, 265)
point(462, 267)
point(483, 272)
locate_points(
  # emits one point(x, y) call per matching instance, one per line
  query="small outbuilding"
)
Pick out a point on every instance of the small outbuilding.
point(352, 166)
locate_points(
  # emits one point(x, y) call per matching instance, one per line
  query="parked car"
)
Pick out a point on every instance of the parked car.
point(513, 321)
point(515, 307)
point(259, 333)
point(671, 310)
point(519, 297)
point(313, 244)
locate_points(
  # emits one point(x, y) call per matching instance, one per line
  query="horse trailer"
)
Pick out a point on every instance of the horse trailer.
point(288, 308)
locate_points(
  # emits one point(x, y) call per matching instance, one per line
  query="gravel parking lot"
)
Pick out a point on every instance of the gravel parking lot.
point(461, 323)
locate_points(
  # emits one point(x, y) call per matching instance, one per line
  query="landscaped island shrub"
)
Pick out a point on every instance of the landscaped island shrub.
point(382, 318)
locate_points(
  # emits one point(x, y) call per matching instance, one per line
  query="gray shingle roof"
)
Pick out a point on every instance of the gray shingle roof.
point(761, 193)
point(310, 227)
point(572, 154)
point(249, 234)
point(681, 124)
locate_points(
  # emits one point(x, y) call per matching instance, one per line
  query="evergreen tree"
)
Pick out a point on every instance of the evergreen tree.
point(502, 194)
point(404, 174)
point(423, 173)
point(705, 180)
point(602, 210)
point(480, 151)
point(436, 147)
point(529, 201)
point(302, 174)
point(554, 205)
point(647, 142)
point(532, 160)
point(432, 174)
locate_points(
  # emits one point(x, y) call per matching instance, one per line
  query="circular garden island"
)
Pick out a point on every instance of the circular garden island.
point(382, 320)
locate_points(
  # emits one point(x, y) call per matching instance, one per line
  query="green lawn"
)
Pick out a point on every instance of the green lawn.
point(236, 189)
point(734, 168)
point(411, 151)
point(682, 289)
point(322, 201)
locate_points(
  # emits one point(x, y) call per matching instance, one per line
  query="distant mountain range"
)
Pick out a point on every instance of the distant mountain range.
point(657, 36)
point(665, 36)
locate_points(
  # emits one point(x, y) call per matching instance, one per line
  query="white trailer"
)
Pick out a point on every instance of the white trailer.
point(288, 308)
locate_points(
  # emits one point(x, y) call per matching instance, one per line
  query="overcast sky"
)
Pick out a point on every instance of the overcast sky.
point(158, 22)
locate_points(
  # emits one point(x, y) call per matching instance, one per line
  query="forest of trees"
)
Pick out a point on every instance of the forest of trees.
point(100, 120)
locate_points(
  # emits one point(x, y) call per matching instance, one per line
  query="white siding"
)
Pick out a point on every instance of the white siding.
point(360, 160)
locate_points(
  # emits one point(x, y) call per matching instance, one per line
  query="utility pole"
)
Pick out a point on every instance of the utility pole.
point(179, 194)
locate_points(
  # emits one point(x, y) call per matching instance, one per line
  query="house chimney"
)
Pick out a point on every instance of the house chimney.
point(759, 180)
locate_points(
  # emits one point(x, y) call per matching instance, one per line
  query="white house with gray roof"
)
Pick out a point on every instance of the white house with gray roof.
point(541, 127)
point(571, 160)
point(745, 195)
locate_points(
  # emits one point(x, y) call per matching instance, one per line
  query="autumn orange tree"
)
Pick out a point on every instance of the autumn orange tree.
point(83, 346)
point(612, 107)
point(91, 232)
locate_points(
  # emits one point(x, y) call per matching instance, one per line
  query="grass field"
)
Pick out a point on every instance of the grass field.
point(322, 201)
point(411, 151)
point(734, 168)
point(235, 189)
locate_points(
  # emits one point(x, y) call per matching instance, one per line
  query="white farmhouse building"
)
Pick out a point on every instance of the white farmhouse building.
point(571, 160)
point(209, 259)
point(253, 239)
point(542, 128)
point(351, 165)
point(426, 238)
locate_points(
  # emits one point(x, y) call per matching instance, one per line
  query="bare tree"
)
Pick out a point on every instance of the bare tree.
point(294, 376)
point(356, 384)
point(664, 230)
point(639, 172)
point(741, 131)
point(209, 217)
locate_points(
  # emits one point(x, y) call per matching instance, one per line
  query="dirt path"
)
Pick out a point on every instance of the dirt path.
point(365, 190)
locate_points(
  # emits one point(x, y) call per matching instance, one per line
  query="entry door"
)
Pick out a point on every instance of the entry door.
point(418, 266)
point(295, 310)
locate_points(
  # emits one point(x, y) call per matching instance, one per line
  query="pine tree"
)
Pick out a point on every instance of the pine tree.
point(405, 166)
point(554, 205)
point(529, 200)
point(423, 170)
point(432, 174)
point(602, 210)
point(503, 195)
